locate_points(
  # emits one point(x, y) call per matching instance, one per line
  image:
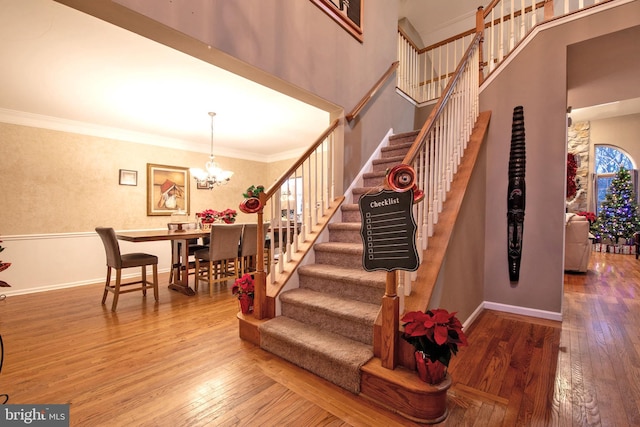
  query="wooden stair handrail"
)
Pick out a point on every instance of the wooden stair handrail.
point(376, 87)
point(444, 98)
point(268, 193)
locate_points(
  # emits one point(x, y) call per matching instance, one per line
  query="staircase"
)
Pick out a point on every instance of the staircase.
point(327, 323)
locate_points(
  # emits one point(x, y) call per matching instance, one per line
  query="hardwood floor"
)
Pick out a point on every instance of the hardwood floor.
point(181, 363)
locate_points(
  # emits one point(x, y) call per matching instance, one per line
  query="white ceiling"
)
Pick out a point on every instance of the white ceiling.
point(65, 70)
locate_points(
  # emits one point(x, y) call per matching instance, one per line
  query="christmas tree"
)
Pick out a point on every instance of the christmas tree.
point(618, 215)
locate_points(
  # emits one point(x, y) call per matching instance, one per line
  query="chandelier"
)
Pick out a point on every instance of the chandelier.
point(212, 175)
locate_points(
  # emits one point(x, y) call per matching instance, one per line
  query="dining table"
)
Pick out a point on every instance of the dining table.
point(181, 281)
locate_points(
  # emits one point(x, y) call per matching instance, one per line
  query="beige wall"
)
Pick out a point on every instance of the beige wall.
point(614, 58)
point(537, 79)
point(58, 182)
point(622, 132)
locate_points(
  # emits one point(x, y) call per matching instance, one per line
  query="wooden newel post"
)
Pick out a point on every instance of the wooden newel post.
point(548, 10)
point(388, 234)
point(260, 291)
point(480, 29)
point(390, 315)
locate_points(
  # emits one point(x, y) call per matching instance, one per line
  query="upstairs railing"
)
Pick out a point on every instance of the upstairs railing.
point(424, 73)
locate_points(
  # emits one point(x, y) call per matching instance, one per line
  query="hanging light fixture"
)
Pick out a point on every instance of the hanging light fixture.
point(212, 175)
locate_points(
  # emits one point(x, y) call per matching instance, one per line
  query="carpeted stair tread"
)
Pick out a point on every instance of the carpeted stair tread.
point(399, 149)
point(343, 254)
point(358, 192)
point(399, 138)
point(349, 276)
point(342, 247)
point(352, 310)
point(385, 160)
point(350, 212)
point(344, 282)
point(328, 355)
point(348, 232)
point(344, 226)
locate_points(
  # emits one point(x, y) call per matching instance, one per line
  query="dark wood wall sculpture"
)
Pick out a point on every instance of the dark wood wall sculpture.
point(516, 193)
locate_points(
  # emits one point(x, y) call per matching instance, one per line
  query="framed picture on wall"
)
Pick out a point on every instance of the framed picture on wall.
point(167, 189)
point(347, 13)
point(128, 177)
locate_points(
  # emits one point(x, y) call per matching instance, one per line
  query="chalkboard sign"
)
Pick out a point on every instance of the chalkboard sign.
point(388, 231)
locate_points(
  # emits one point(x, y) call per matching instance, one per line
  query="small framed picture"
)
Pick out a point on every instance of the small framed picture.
point(128, 177)
point(202, 185)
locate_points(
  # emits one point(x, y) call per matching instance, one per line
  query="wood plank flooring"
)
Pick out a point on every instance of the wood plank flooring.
point(181, 363)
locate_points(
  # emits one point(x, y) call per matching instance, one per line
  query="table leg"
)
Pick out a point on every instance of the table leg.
point(181, 281)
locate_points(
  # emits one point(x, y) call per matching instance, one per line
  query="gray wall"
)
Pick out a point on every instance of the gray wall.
point(537, 79)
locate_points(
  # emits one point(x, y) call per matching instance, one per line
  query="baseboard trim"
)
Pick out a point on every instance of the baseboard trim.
point(523, 311)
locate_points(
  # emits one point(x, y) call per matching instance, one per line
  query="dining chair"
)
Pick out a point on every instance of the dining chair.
point(177, 263)
point(119, 261)
point(249, 246)
point(222, 252)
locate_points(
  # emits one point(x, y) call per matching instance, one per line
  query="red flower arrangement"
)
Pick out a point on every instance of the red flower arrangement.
point(591, 217)
point(572, 168)
point(436, 336)
point(209, 216)
point(244, 288)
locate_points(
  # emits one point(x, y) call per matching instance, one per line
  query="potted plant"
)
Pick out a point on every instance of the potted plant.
point(253, 191)
point(244, 289)
point(228, 216)
point(435, 335)
point(209, 216)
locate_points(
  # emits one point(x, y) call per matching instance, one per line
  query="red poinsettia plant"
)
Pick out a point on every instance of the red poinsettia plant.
point(228, 216)
point(591, 217)
point(436, 333)
point(209, 216)
point(243, 286)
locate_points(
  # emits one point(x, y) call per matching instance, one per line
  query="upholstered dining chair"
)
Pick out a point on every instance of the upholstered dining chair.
point(213, 264)
point(249, 246)
point(119, 261)
point(177, 263)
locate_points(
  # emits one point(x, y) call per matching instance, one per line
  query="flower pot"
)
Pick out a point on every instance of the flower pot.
point(428, 371)
point(246, 303)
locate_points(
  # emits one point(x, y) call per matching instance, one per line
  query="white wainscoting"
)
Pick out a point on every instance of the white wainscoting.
point(41, 262)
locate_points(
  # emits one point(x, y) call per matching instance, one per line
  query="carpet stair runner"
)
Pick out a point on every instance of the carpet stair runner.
point(327, 323)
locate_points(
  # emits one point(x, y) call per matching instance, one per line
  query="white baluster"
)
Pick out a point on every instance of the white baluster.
point(512, 41)
point(501, 31)
point(523, 30)
point(534, 15)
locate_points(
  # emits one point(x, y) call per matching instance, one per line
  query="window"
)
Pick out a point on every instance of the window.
point(608, 161)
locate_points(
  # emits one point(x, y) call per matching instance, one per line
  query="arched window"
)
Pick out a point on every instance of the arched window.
point(608, 160)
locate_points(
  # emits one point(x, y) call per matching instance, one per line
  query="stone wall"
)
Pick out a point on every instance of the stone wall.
point(579, 145)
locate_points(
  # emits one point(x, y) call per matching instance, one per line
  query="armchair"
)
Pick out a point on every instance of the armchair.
point(577, 243)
